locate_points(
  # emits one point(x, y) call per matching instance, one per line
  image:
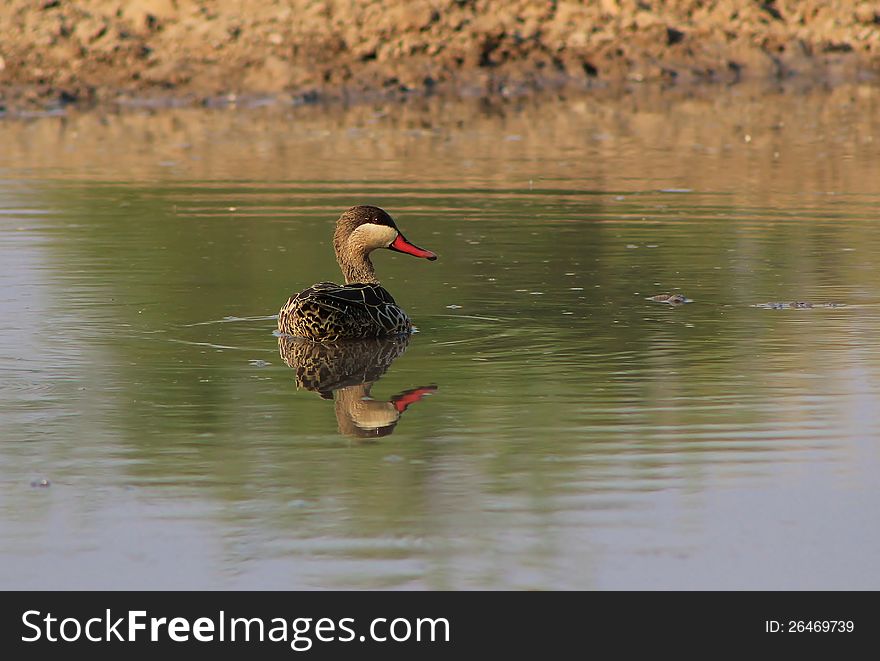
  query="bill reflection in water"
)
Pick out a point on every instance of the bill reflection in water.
point(345, 372)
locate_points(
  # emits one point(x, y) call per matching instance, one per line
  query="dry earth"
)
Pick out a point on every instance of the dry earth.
point(55, 52)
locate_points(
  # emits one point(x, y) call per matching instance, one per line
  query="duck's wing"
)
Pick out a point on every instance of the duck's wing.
point(345, 311)
point(356, 294)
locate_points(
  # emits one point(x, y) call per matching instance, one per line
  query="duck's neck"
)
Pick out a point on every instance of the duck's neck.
point(357, 267)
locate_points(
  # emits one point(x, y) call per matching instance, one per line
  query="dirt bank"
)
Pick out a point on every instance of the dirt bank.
point(55, 52)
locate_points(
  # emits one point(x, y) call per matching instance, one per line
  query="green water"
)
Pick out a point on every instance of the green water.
point(575, 434)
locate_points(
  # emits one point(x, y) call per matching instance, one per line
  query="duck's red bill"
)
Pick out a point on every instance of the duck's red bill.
point(400, 244)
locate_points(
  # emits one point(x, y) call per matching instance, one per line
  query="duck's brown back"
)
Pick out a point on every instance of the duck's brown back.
point(327, 312)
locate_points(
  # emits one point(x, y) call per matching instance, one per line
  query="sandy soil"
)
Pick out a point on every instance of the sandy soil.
point(55, 52)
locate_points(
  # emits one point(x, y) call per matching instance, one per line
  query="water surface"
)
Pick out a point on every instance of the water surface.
point(547, 427)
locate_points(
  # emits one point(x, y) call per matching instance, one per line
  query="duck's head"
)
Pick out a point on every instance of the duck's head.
point(362, 229)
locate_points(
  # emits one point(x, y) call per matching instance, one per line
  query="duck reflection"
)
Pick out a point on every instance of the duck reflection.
point(345, 372)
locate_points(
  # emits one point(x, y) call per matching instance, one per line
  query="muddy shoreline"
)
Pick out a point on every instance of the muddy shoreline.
point(57, 53)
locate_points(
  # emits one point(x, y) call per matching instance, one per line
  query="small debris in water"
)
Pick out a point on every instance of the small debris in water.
point(631, 246)
point(259, 363)
point(41, 484)
point(393, 458)
point(454, 307)
point(670, 299)
point(796, 305)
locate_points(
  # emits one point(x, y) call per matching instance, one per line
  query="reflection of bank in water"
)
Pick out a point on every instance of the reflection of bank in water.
point(345, 372)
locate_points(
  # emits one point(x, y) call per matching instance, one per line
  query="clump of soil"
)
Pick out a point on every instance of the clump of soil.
point(94, 50)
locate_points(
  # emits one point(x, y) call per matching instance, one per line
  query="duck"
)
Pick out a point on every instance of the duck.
point(361, 308)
